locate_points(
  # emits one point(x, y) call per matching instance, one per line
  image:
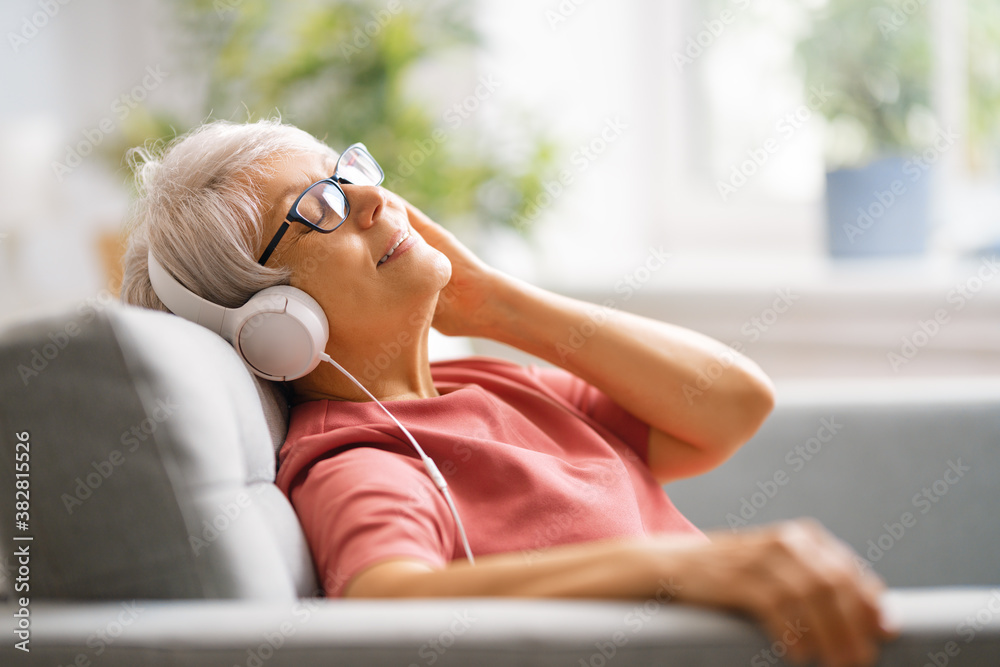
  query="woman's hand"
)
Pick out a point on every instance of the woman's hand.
point(801, 583)
point(463, 308)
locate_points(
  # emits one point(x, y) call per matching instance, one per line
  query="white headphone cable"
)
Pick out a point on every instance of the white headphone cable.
point(432, 468)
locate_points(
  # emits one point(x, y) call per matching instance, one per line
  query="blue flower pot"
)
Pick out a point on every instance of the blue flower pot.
point(880, 210)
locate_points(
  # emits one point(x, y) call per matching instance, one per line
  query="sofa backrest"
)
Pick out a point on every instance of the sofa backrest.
point(905, 470)
point(151, 460)
point(151, 464)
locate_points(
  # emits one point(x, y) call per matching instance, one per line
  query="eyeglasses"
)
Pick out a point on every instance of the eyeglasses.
point(323, 206)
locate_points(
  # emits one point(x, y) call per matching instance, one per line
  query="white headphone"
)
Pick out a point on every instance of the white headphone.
point(281, 332)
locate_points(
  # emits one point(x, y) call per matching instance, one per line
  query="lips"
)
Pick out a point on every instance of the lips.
point(397, 240)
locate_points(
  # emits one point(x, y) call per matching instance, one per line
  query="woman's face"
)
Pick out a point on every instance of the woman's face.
point(342, 270)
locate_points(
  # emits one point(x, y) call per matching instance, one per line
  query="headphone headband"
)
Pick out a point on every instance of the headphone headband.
point(182, 301)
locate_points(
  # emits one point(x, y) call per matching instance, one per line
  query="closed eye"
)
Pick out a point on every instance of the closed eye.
point(325, 220)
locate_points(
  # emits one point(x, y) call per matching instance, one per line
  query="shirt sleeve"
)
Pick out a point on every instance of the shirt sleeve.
point(366, 505)
point(597, 405)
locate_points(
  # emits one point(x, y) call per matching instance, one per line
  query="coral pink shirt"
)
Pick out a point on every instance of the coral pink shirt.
point(533, 458)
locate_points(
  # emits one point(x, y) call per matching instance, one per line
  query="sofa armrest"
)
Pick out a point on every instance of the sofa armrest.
point(962, 626)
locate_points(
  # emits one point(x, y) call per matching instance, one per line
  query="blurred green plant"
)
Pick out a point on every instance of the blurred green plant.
point(344, 70)
point(984, 84)
point(877, 59)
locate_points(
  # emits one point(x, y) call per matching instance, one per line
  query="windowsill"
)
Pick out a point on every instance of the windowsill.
point(740, 275)
point(821, 319)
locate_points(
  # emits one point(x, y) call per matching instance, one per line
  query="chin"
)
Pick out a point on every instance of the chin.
point(439, 265)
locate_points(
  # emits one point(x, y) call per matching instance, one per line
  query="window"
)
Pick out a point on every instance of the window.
point(719, 154)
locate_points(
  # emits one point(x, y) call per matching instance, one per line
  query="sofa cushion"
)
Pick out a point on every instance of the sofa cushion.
point(151, 463)
point(274, 400)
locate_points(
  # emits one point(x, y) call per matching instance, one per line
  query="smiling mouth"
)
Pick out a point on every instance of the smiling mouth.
point(387, 255)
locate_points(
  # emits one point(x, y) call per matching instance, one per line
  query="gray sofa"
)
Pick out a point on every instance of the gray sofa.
point(158, 538)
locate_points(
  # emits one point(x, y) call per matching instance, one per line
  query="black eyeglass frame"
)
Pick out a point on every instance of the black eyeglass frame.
point(335, 181)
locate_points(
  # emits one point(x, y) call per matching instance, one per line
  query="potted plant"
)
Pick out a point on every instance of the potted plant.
point(882, 141)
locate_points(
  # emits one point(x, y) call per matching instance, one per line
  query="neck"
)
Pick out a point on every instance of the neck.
point(394, 369)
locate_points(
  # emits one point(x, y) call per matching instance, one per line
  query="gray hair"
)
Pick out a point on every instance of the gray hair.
point(201, 210)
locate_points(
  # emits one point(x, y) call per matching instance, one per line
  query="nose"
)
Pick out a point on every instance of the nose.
point(366, 204)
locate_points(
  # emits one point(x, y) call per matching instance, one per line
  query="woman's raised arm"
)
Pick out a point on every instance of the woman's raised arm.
point(701, 398)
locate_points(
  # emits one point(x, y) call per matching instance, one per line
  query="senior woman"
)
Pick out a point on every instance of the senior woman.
point(557, 473)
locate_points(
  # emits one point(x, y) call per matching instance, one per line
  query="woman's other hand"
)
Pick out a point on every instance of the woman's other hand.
point(802, 584)
point(463, 308)
point(798, 581)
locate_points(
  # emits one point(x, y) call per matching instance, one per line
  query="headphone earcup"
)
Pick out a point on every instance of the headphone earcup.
point(281, 333)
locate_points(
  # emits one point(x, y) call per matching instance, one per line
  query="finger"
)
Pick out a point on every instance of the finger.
point(418, 218)
point(783, 611)
point(820, 630)
point(434, 234)
point(789, 632)
point(816, 627)
point(422, 224)
point(872, 590)
point(825, 591)
point(847, 614)
point(852, 630)
point(888, 627)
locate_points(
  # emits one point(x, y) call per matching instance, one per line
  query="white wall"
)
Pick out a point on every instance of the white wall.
point(71, 72)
